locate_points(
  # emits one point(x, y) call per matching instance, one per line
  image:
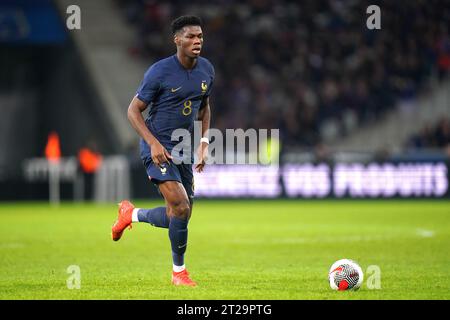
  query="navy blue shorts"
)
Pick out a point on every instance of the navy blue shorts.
point(171, 172)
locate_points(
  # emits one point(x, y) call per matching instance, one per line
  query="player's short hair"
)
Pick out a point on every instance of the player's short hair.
point(183, 21)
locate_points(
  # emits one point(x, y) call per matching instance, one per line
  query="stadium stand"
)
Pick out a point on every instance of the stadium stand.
point(437, 136)
point(310, 69)
point(338, 91)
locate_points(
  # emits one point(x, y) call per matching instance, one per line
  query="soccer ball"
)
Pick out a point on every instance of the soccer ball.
point(345, 274)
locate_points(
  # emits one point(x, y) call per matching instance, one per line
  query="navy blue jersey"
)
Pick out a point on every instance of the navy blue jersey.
point(175, 95)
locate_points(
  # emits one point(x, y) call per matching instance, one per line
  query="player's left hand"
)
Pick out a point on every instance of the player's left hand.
point(202, 154)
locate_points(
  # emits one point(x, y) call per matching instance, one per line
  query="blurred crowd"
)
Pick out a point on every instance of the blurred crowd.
point(432, 136)
point(304, 67)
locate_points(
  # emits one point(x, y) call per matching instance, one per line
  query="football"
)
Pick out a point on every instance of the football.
point(345, 274)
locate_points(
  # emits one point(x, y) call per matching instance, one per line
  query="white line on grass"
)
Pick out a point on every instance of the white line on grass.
point(425, 233)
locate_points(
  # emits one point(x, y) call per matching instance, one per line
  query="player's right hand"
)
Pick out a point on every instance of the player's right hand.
point(159, 154)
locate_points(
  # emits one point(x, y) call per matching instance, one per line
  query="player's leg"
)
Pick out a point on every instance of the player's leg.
point(128, 213)
point(157, 217)
point(184, 194)
point(178, 210)
point(187, 179)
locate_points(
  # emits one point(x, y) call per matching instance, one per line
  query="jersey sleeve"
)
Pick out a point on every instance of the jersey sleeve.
point(150, 86)
point(213, 74)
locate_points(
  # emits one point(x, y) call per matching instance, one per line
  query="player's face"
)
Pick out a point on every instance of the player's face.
point(190, 40)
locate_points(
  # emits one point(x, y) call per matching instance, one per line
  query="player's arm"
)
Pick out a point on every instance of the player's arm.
point(135, 109)
point(204, 116)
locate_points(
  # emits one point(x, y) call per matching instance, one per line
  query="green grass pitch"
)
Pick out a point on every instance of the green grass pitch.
point(237, 250)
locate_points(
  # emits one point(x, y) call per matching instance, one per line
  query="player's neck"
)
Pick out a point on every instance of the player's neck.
point(186, 62)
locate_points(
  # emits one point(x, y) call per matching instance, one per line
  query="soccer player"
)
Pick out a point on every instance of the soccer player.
point(177, 89)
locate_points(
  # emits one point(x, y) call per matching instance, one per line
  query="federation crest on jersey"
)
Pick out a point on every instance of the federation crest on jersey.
point(204, 86)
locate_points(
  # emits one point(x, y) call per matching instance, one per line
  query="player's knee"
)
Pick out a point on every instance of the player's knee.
point(181, 209)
